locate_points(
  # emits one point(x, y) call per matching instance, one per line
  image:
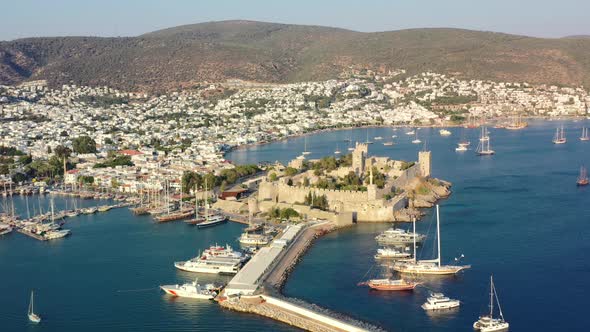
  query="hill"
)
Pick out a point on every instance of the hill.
point(269, 52)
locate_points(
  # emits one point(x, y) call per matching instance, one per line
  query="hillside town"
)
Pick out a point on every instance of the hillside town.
point(161, 136)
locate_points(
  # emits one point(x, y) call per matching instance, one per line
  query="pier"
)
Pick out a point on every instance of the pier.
point(256, 287)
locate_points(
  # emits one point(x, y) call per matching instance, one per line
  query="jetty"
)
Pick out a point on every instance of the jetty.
point(256, 287)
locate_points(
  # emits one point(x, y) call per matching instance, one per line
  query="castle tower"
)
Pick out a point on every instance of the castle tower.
point(424, 159)
point(358, 158)
point(371, 188)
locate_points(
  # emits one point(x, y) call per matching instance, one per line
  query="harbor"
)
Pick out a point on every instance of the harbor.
point(328, 272)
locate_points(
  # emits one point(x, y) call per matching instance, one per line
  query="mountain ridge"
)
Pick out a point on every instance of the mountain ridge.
point(180, 57)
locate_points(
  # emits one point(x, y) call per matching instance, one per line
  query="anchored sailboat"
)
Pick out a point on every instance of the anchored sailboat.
point(584, 136)
point(33, 317)
point(489, 323)
point(583, 177)
point(559, 137)
point(483, 148)
point(305, 152)
point(433, 266)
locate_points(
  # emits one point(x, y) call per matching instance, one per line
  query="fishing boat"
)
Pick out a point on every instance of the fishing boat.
point(391, 253)
point(438, 301)
point(33, 317)
point(584, 136)
point(433, 266)
point(192, 290)
point(483, 148)
point(444, 132)
point(583, 177)
point(390, 284)
point(559, 137)
point(488, 323)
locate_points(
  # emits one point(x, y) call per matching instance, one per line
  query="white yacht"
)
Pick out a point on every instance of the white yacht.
point(444, 132)
point(249, 239)
point(212, 220)
point(489, 323)
point(398, 236)
point(438, 301)
point(5, 229)
point(461, 147)
point(192, 290)
point(56, 234)
point(391, 253)
point(33, 317)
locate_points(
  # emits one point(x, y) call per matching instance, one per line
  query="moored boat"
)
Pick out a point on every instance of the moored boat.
point(559, 137)
point(583, 177)
point(191, 290)
point(488, 323)
point(438, 301)
point(390, 284)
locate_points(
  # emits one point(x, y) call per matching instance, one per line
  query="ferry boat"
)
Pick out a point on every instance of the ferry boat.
point(391, 253)
point(202, 264)
point(444, 132)
point(488, 323)
point(430, 267)
point(584, 136)
point(559, 137)
point(483, 148)
point(191, 290)
point(438, 301)
point(216, 259)
point(398, 236)
point(33, 317)
point(390, 284)
point(583, 177)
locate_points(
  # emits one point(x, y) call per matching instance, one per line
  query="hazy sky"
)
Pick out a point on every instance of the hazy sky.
point(27, 18)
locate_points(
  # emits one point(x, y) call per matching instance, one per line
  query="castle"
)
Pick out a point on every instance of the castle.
point(373, 205)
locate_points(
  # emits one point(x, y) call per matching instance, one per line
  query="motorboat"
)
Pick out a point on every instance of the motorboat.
point(438, 301)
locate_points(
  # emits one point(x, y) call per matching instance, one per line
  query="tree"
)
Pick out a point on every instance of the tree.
point(62, 151)
point(25, 160)
point(290, 171)
point(190, 181)
point(84, 144)
point(108, 141)
point(4, 169)
point(273, 177)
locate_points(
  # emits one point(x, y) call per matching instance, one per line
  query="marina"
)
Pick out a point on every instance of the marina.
point(471, 226)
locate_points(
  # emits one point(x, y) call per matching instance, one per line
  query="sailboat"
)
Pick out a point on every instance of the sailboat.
point(367, 141)
point(583, 177)
point(432, 266)
point(197, 219)
point(559, 137)
point(584, 136)
point(416, 140)
point(305, 152)
point(483, 148)
point(33, 317)
point(337, 150)
point(517, 124)
point(489, 323)
point(213, 219)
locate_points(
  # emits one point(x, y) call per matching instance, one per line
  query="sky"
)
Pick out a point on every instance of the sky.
point(539, 18)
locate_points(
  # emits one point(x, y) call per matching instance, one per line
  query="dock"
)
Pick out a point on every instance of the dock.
point(33, 235)
point(256, 287)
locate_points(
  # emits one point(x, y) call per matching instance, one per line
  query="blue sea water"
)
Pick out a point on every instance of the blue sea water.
point(517, 214)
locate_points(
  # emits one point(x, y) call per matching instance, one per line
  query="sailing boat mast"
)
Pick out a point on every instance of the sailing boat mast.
point(491, 296)
point(437, 235)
